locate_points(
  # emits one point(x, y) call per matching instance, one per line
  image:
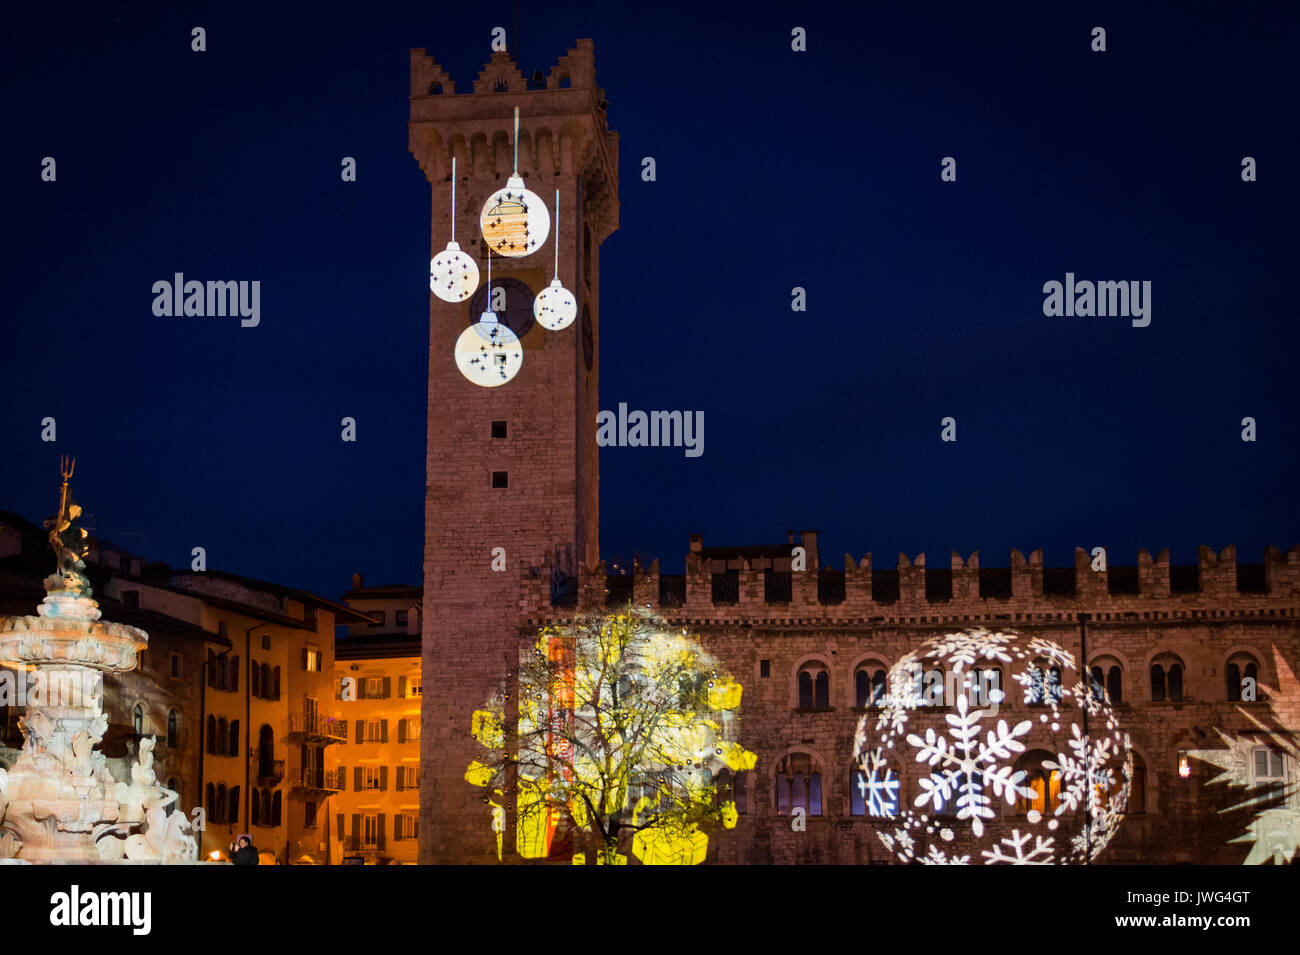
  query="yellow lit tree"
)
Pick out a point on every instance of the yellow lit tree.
point(612, 724)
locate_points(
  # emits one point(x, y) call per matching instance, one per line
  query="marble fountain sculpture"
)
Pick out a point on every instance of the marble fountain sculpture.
point(59, 802)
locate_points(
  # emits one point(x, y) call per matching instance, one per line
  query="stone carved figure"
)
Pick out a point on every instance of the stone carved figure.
point(59, 801)
point(68, 540)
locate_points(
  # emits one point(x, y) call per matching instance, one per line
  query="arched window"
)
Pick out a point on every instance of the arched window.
point(265, 751)
point(234, 675)
point(814, 688)
point(1242, 678)
point(223, 736)
point(173, 729)
point(275, 683)
point(959, 784)
point(798, 785)
point(255, 680)
point(1157, 682)
point(269, 691)
point(212, 669)
point(869, 686)
point(1106, 681)
point(234, 738)
point(211, 745)
point(1042, 781)
point(210, 801)
point(1175, 681)
point(985, 686)
point(223, 803)
point(1044, 684)
point(927, 684)
point(234, 805)
point(275, 808)
point(137, 720)
point(267, 813)
point(255, 809)
point(874, 789)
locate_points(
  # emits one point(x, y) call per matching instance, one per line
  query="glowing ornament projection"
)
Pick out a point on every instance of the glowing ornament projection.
point(453, 276)
point(488, 353)
point(514, 220)
point(970, 781)
point(623, 726)
point(555, 307)
point(1256, 763)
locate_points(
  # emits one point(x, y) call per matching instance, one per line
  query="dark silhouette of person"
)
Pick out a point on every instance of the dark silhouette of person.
point(243, 852)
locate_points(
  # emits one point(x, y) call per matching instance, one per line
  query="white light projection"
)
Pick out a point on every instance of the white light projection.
point(555, 307)
point(514, 220)
point(488, 353)
point(453, 275)
point(972, 764)
point(1258, 763)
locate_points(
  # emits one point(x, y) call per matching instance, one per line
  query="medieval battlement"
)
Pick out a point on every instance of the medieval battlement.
point(562, 126)
point(748, 584)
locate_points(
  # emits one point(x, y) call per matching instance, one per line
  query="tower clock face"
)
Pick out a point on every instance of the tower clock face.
point(518, 312)
point(588, 338)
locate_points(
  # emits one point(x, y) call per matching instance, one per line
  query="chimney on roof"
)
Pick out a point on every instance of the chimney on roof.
point(697, 543)
point(357, 580)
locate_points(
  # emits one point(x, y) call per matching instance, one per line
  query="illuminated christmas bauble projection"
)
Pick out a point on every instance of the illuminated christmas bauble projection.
point(555, 307)
point(514, 220)
point(1010, 757)
point(488, 353)
point(453, 275)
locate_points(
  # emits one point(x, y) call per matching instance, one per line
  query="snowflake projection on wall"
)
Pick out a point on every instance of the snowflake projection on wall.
point(970, 779)
point(1257, 763)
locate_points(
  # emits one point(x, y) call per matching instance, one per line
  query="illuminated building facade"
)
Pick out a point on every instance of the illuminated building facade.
point(1171, 647)
point(377, 811)
point(236, 684)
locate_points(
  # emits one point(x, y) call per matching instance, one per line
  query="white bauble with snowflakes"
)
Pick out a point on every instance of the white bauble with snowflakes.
point(966, 736)
point(488, 353)
point(453, 275)
point(555, 307)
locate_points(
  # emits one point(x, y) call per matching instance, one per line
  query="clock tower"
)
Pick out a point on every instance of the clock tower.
point(511, 471)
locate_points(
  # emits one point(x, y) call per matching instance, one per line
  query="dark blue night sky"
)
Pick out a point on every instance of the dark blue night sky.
point(924, 298)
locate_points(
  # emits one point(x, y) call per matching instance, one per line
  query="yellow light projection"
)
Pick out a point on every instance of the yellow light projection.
point(613, 727)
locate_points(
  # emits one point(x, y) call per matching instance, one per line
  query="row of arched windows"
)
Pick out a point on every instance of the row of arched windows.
point(798, 785)
point(1106, 679)
point(222, 804)
point(264, 681)
point(222, 737)
point(264, 807)
point(223, 672)
point(140, 725)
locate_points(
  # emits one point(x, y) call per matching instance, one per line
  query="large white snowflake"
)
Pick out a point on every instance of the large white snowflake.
point(968, 765)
